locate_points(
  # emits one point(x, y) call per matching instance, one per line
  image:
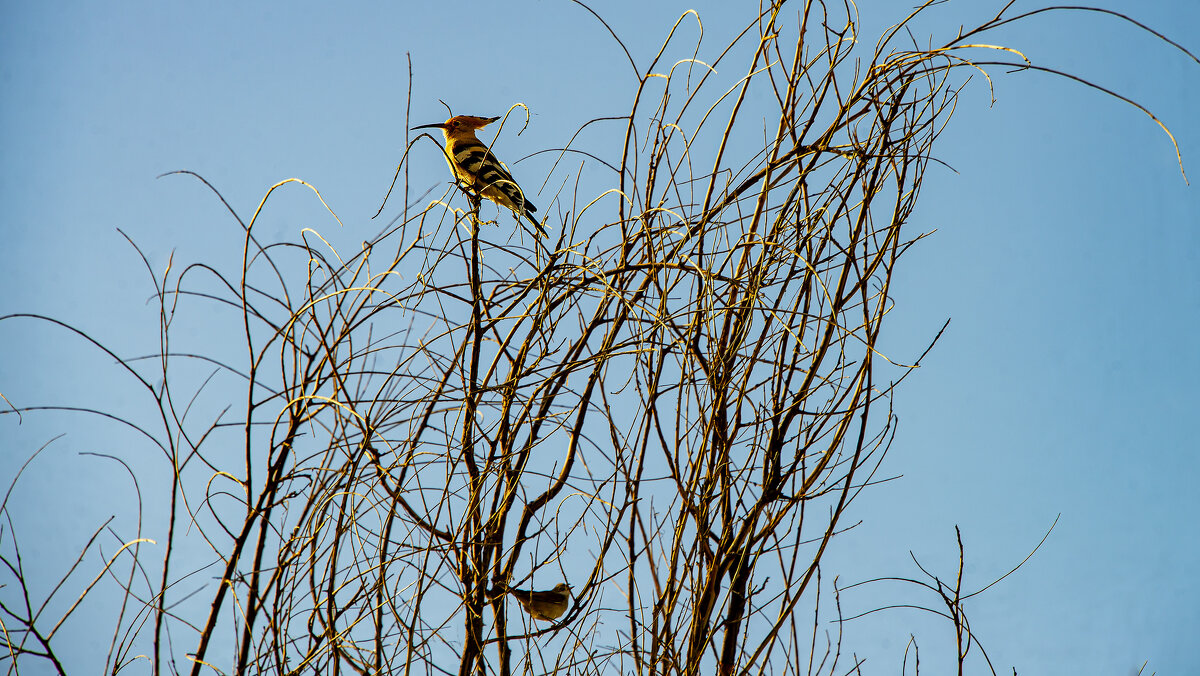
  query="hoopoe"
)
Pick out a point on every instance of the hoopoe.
point(474, 164)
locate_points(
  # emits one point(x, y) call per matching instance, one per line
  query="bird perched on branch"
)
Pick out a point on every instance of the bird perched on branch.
point(544, 605)
point(473, 164)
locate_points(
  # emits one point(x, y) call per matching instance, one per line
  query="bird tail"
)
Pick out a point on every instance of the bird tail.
point(541, 229)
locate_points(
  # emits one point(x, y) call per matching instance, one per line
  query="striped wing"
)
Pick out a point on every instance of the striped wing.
point(474, 164)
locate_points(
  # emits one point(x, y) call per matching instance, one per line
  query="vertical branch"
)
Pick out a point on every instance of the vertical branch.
point(471, 568)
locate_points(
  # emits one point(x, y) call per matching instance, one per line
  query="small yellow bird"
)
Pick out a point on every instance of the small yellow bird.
point(474, 164)
point(544, 605)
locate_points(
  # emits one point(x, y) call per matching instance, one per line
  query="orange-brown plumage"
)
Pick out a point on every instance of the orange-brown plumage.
point(473, 164)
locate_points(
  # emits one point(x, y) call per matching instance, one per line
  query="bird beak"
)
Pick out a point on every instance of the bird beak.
point(436, 125)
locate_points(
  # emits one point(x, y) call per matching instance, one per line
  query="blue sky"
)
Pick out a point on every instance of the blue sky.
point(1067, 256)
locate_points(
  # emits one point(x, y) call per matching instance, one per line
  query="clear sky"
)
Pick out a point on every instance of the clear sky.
point(1067, 255)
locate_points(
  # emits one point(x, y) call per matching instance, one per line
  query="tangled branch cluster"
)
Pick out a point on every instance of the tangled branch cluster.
point(668, 405)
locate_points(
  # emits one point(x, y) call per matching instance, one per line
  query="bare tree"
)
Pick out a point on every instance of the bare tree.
point(668, 405)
